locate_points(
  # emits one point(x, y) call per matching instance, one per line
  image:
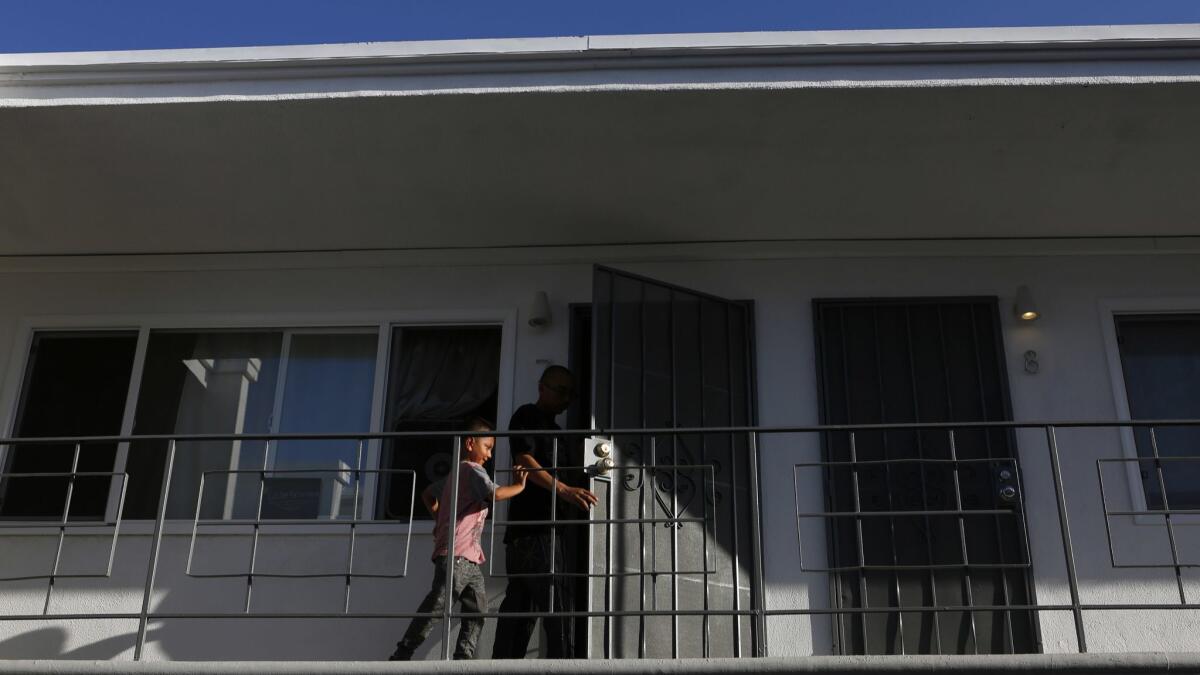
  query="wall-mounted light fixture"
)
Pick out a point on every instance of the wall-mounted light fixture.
point(1024, 306)
point(539, 310)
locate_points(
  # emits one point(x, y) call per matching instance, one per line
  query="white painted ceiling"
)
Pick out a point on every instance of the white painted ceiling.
point(601, 167)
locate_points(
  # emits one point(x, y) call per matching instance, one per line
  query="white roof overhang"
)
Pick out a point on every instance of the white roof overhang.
point(604, 140)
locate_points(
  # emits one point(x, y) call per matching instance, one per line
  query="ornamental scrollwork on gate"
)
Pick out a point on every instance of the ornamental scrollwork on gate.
point(674, 490)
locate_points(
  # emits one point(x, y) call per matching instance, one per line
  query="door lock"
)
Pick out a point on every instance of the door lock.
point(601, 467)
point(1008, 493)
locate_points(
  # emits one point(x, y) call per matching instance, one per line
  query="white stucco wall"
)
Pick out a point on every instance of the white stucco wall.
point(1074, 383)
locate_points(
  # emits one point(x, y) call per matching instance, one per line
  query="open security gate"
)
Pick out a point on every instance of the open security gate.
point(665, 357)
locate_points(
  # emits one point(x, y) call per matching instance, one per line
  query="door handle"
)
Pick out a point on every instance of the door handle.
point(1007, 491)
point(601, 466)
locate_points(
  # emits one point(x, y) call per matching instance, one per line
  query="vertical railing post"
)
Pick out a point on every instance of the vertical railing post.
point(1068, 547)
point(62, 529)
point(353, 527)
point(258, 509)
point(156, 543)
point(553, 572)
point(451, 521)
point(1166, 507)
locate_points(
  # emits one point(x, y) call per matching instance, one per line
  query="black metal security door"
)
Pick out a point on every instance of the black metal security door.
point(922, 360)
point(669, 357)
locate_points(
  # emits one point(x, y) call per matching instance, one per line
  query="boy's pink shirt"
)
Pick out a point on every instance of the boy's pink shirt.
point(474, 501)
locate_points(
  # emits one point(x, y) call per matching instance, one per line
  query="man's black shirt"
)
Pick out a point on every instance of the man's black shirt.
point(533, 503)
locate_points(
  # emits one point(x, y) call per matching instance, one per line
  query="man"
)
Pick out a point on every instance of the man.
point(528, 547)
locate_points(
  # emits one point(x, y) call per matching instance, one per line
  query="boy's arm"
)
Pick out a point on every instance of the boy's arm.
point(518, 484)
point(578, 496)
point(429, 500)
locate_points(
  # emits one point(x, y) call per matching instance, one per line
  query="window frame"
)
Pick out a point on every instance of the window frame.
point(381, 321)
point(1110, 310)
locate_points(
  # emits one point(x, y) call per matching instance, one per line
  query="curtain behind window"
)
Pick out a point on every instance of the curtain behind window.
point(440, 377)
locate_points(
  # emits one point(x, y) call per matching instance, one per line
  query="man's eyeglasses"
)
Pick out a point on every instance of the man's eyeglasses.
point(561, 390)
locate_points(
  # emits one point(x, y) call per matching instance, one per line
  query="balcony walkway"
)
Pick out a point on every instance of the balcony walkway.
point(1158, 662)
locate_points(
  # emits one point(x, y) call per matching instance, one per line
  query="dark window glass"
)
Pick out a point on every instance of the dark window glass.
point(75, 385)
point(1160, 357)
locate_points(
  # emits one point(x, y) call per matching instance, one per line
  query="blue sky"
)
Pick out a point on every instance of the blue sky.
point(80, 25)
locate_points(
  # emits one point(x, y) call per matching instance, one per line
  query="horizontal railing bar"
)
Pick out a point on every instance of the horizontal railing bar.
point(602, 575)
point(356, 575)
point(602, 521)
point(1156, 566)
point(601, 614)
point(63, 474)
point(908, 460)
point(1158, 512)
point(920, 568)
point(1151, 460)
point(296, 575)
point(223, 472)
point(929, 512)
point(55, 524)
point(1040, 424)
point(267, 522)
point(37, 577)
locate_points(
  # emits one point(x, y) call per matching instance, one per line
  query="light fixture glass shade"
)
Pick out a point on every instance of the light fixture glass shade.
point(539, 310)
point(1024, 306)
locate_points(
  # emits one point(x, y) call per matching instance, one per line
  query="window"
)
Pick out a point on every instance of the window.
point(244, 382)
point(75, 385)
point(439, 378)
point(1160, 361)
point(202, 383)
point(232, 382)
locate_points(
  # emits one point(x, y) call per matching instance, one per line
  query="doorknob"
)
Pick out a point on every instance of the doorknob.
point(1006, 483)
point(601, 467)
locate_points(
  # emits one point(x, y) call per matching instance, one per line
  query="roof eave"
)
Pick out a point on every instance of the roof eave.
point(860, 53)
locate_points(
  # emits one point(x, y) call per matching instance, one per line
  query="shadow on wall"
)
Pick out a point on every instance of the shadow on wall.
point(50, 642)
point(241, 639)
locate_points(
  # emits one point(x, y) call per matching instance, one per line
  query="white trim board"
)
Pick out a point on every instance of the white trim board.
point(1003, 35)
point(827, 59)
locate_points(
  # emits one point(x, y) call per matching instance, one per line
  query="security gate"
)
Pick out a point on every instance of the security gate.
point(921, 360)
point(668, 357)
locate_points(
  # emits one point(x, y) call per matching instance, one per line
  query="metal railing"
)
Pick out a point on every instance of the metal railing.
point(673, 517)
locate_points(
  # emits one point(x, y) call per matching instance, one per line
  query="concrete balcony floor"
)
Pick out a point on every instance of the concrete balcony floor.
point(1157, 662)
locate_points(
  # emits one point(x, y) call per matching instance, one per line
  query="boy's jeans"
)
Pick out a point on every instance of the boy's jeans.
point(468, 589)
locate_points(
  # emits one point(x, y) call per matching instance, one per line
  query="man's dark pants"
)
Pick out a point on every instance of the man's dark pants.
point(530, 555)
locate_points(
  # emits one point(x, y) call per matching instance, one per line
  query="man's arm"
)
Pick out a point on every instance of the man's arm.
point(578, 496)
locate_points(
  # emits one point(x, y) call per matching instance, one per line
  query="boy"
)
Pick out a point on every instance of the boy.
point(475, 493)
